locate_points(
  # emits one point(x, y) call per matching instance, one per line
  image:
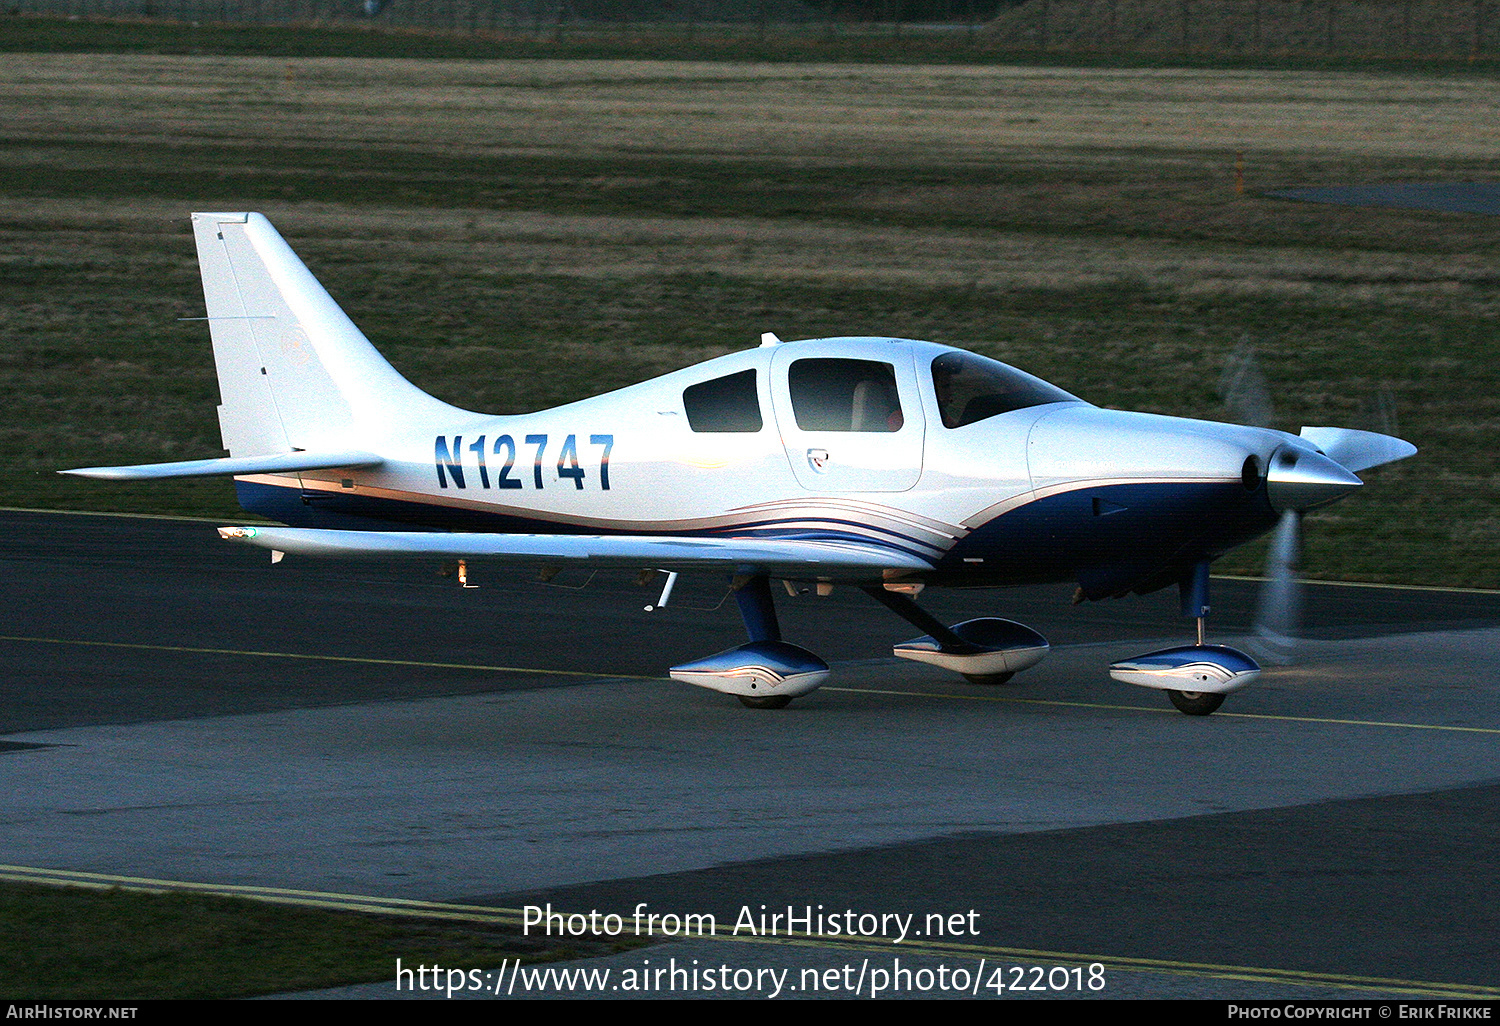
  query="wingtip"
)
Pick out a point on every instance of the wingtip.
point(94, 473)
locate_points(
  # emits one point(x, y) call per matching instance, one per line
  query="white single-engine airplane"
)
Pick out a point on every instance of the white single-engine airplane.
point(883, 463)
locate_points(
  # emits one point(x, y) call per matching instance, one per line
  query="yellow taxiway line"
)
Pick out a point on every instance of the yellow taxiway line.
point(324, 658)
point(1162, 710)
point(1005, 957)
point(1157, 710)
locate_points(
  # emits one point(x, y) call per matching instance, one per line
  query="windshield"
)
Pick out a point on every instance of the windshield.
point(973, 388)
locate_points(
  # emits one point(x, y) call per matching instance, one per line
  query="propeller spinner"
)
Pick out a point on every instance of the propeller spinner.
point(1298, 478)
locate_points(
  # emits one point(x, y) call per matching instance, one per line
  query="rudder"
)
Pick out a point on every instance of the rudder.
point(294, 371)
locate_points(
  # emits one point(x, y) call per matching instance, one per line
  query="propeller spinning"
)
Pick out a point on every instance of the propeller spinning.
point(1296, 482)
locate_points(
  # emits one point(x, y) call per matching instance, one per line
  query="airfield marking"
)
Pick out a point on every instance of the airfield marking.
point(1167, 967)
point(415, 908)
point(1160, 710)
point(1364, 584)
point(324, 658)
point(275, 895)
point(621, 676)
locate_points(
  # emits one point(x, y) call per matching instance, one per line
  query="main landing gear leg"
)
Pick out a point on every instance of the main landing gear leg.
point(758, 610)
point(906, 607)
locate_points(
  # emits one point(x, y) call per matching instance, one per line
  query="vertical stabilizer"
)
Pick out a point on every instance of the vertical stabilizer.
point(294, 371)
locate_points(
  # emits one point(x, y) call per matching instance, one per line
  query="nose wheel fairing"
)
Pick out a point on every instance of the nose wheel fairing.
point(1196, 669)
point(1195, 677)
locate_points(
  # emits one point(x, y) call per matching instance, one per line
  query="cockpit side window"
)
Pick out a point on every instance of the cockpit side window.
point(727, 404)
point(845, 395)
point(973, 388)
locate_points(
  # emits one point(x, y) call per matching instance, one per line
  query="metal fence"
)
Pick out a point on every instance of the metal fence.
point(1390, 28)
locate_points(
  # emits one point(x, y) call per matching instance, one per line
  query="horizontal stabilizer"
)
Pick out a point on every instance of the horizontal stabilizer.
point(777, 556)
point(1356, 450)
point(276, 463)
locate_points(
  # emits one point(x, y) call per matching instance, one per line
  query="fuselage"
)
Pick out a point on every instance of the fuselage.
point(992, 475)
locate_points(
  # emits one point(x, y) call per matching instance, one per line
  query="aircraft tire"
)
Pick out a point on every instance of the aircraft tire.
point(769, 702)
point(1195, 703)
point(988, 679)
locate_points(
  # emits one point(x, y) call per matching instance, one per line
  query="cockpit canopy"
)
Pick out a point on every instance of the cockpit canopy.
point(972, 388)
point(853, 386)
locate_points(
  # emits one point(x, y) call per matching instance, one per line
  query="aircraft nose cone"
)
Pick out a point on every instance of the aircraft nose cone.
point(1301, 480)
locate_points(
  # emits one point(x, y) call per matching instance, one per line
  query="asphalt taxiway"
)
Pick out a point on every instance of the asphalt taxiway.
point(1452, 197)
point(177, 708)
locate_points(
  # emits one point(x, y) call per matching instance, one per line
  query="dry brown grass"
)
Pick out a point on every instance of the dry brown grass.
point(825, 113)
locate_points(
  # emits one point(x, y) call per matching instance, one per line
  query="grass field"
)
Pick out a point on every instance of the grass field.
point(81, 945)
point(514, 234)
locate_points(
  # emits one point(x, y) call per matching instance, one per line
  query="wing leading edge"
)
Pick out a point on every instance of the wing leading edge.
point(792, 557)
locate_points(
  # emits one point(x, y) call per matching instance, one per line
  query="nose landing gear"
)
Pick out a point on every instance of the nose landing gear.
point(1195, 677)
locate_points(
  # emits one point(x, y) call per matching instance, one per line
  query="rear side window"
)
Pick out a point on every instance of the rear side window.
point(727, 404)
point(845, 395)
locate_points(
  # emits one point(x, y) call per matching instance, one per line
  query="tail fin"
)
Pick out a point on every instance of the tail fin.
point(294, 371)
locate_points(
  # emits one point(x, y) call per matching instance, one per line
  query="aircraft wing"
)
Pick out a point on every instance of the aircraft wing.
point(778, 557)
point(287, 462)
